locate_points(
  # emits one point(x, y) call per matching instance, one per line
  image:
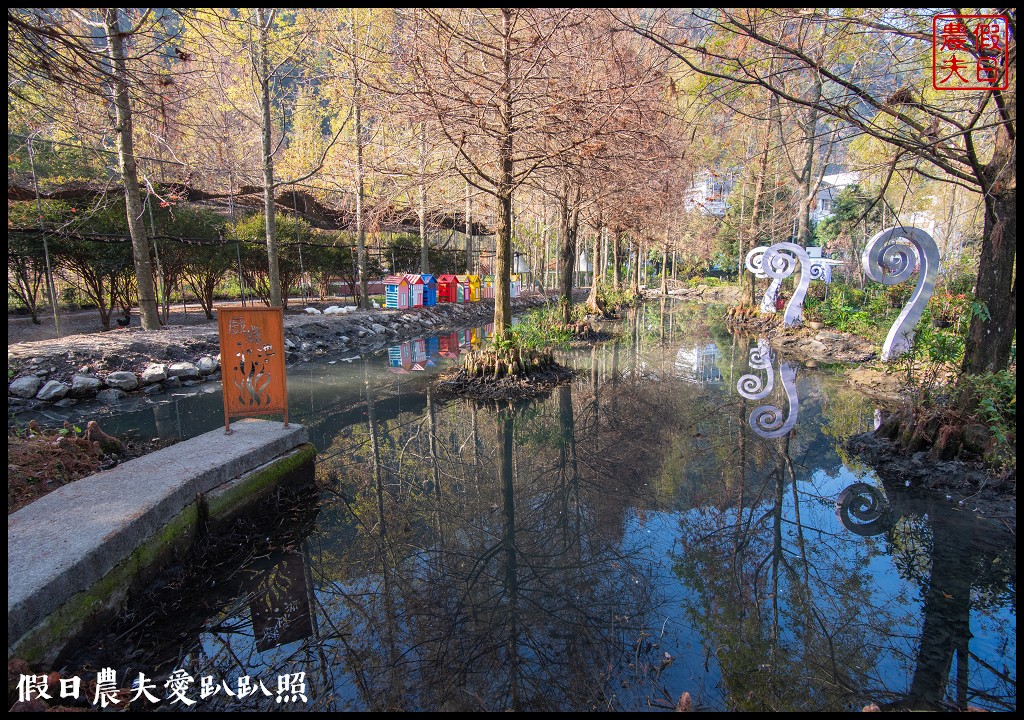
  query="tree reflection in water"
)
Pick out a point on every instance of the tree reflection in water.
point(959, 565)
point(789, 608)
point(510, 589)
point(621, 541)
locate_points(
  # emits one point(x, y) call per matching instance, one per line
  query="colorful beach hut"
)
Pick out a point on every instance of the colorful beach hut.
point(487, 287)
point(474, 288)
point(514, 286)
point(463, 288)
point(396, 292)
point(447, 288)
point(415, 290)
point(429, 290)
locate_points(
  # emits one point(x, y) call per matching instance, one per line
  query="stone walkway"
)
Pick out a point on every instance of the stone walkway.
point(66, 542)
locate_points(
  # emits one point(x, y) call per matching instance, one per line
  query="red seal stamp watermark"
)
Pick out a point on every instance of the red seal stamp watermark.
point(970, 52)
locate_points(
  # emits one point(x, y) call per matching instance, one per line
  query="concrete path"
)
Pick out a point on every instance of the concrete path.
point(65, 542)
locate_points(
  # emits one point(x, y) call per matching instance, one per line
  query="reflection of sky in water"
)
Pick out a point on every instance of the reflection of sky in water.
point(633, 541)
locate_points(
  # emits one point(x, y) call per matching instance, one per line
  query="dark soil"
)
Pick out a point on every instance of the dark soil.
point(966, 483)
point(40, 461)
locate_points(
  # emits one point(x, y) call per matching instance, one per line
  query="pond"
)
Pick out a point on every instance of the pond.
point(642, 532)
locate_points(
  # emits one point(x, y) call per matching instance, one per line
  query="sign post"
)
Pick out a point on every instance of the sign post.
point(252, 362)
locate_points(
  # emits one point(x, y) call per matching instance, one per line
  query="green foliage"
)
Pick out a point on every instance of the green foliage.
point(710, 281)
point(849, 206)
point(291, 253)
point(614, 300)
point(540, 329)
point(995, 395)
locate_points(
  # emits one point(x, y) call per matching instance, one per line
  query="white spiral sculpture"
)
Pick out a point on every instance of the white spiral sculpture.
point(754, 263)
point(768, 420)
point(779, 262)
point(750, 385)
point(889, 261)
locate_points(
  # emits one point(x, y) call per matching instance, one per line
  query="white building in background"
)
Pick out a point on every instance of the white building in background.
point(708, 194)
point(828, 193)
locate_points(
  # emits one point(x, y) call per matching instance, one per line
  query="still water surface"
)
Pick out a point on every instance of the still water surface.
point(644, 531)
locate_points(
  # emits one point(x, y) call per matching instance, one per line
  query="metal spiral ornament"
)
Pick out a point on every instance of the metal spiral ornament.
point(864, 510)
point(751, 386)
point(821, 271)
point(755, 264)
point(778, 263)
point(889, 261)
point(768, 421)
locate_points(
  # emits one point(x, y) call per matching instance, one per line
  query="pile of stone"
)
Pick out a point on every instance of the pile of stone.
point(31, 389)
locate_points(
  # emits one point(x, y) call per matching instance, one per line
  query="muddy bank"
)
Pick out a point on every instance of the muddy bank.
point(825, 346)
point(969, 486)
point(728, 294)
point(105, 367)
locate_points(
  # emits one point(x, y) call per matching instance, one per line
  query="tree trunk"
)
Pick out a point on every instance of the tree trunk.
point(748, 294)
point(664, 268)
point(129, 174)
point(503, 239)
point(424, 244)
point(616, 258)
point(263, 20)
point(635, 272)
point(469, 233)
point(570, 217)
point(803, 233)
point(989, 341)
point(357, 129)
point(593, 299)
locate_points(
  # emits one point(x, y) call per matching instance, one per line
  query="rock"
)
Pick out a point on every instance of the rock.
point(25, 387)
point(206, 365)
point(83, 386)
point(685, 703)
point(378, 328)
point(183, 370)
point(306, 347)
point(890, 427)
point(53, 390)
point(815, 348)
point(829, 337)
point(122, 380)
point(172, 382)
point(66, 402)
point(191, 383)
point(977, 439)
point(289, 344)
point(111, 396)
point(154, 373)
point(153, 389)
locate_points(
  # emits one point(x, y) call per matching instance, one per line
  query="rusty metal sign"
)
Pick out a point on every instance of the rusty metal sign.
point(252, 362)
